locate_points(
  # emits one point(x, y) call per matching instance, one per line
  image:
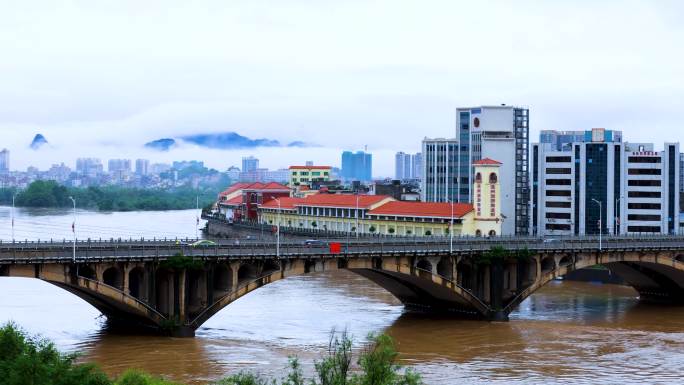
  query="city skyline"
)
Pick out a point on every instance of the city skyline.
point(576, 67)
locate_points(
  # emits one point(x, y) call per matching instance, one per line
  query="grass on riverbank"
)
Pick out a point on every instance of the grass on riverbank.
point(30, 360)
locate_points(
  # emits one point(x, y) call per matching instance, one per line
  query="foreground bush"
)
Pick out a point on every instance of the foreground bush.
point(376, 366)
point(31, 361)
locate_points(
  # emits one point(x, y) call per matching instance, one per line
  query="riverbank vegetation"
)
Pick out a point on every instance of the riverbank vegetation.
point(30, 360)
point(108, 198)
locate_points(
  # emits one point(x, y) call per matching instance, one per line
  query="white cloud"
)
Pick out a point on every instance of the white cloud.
point(341, 74)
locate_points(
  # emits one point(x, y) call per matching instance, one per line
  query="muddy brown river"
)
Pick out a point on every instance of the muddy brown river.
point(566, 333)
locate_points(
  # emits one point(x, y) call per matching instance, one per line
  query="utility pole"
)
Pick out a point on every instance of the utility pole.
point(13, 197)
point(600, 221)
point(197, 217)
point(357, 214)
point(278, 230)
point(616, 222)
point(451, 229)
point(73, 229)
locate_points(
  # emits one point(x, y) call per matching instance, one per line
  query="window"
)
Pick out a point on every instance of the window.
point(556, 171)
point(644, 171)
point(478, 178)
point(643, 183)
point(492, 178)
point(557, 193)
point(644, 206)
point(557, 226)
point(643, 194)
point(643, 159)
point(643, 229)
point(643, 217)
point(558, 159)
point(558, 215)
point(558, 182)
point(565, 205)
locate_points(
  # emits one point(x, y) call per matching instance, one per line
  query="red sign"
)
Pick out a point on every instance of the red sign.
point(335, 248)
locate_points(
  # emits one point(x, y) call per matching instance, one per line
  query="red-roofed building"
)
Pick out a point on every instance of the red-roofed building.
point(381, 214)
point(239, 202)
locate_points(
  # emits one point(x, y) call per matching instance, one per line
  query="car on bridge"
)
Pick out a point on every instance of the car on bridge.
point(203, 243)
point(314, 242)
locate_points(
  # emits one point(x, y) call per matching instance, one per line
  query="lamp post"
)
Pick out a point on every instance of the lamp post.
point(357, 214)
point(197, 216)
point(73, 229)
point(13, 197)
point(600, 221)
point(278, 229)
point(451, 230)
point(617, 220)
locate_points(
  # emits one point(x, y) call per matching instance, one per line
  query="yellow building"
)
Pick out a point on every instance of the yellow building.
point(304, 175)
point(379, 214)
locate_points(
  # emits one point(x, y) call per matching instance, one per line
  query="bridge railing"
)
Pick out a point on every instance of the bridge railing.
point(115, 249)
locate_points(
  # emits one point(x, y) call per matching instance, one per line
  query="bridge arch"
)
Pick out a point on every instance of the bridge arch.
point(548, 264)
point(656, 277)
point(113, 276)
point(246, 272)
point(87, 272)
point(164, 287)
point(223, 277)
point(137, 283)
point(445, 267)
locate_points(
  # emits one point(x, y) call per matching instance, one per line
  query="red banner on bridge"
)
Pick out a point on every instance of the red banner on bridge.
point(335, 248)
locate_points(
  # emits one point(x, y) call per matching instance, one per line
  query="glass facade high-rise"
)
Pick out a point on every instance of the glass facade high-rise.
point(500, 133)
point(357, 166)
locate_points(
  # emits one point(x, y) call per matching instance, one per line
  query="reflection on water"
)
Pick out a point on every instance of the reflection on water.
point(568, 332)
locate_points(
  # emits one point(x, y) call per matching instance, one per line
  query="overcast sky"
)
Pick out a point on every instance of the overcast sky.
point(100, 78)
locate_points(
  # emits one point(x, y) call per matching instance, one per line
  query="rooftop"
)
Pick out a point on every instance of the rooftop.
point(309, 167)
point(422, 209)
point(486, 161)
point(343, 200)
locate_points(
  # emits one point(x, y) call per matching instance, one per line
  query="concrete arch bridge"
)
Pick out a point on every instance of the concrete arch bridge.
point(175, 288)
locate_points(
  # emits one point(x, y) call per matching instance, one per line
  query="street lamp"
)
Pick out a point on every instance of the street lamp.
point(73, 229)
point(600, 221)
point(197, 215)
point(278, 228)
point(451, 229)
point(617, 220)
point(357, 214)
point(13, 197)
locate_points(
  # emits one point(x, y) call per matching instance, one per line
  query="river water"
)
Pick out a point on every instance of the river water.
point(568, 332)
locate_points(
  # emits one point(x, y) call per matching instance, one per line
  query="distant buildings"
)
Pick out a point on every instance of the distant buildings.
point(89, 167)
point(142, 167)
point(250, 164)
point(407, 166)
point(591, 182)
point(119, 166)
point(306, 175)
point(357, 166)
point(4, 161)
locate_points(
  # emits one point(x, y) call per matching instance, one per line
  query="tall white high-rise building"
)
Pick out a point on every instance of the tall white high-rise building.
point(250, 164)
point(89, 166)
point(142, 167)
point(591, 182)
point(4, 161)
point(496, 132)
point(402, 166)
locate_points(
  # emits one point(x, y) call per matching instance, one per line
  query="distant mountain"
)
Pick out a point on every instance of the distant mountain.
point(38, 141)
point(222, 141)
point(228, 140)
point(164, 144)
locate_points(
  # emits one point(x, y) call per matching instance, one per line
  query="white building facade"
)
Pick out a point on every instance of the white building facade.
point(501, 133)
point(591, 182)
